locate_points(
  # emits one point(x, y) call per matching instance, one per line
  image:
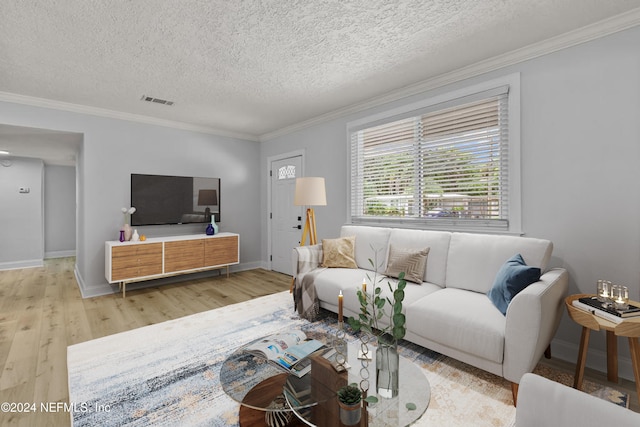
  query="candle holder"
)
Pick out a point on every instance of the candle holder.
point(604, 292)
point(340, 345)
point(620, 297)
point(365, 357)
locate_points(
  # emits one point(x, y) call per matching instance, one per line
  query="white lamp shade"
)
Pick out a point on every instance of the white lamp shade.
point(310, 192)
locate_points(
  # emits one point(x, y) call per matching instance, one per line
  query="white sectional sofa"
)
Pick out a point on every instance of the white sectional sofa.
point(449, 312)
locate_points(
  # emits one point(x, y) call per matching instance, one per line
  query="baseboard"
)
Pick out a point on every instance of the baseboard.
point(59, 254)
point(596, 359)
point(14, 265)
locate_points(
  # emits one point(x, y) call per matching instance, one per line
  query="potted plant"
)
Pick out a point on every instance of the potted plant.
point(349, 400)
point(373, 309)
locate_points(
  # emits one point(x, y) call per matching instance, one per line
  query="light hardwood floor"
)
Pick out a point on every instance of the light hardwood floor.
point(42, 312)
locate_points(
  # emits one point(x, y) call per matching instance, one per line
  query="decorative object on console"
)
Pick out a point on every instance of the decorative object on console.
point(126, 227)
point(350, 401)
point(135, 237)
point(212, 227)
point(121, 236)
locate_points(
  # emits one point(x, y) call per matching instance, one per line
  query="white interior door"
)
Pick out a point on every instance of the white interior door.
point(286, 219)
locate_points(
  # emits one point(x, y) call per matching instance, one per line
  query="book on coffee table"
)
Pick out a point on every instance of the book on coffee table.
point(287, 351)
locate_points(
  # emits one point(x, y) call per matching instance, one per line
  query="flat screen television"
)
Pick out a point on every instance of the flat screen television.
point(163, 199)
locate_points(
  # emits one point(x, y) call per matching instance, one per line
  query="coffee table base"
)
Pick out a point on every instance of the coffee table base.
point(261, 395)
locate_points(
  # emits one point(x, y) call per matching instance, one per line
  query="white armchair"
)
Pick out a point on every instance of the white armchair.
point(542, 402)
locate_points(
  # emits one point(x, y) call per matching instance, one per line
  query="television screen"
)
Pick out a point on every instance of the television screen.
point(161, 199)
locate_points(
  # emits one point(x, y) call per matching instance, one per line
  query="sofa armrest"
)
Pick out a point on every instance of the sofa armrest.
point(306, 258)
point(532, 319)
point(542, 402)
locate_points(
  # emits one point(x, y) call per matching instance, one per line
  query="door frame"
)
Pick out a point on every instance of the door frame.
point(270, 160)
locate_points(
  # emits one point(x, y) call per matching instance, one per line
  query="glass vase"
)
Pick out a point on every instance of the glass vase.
point(387, 367)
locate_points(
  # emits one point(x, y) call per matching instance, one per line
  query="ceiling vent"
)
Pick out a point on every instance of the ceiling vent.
point(156, 100)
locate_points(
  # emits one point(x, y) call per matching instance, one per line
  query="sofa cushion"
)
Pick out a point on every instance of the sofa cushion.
point(474, 259)
point(339, 253)
point(466, 321)
point(411, 262)
point(436, 241)
point(331, 281)
point(368, 240)
point(513, 276)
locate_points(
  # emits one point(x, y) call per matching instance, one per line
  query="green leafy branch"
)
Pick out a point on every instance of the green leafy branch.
point(373, 307)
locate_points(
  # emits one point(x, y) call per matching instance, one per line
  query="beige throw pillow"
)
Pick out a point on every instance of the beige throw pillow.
point(339, 252)
point(412, 261)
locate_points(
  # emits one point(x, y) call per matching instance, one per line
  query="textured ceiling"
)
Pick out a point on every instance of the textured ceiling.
point(253, 67)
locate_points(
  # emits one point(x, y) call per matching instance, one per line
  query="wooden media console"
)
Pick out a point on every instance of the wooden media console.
point(127, 262)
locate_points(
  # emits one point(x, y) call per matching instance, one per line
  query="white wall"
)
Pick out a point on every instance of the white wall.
point(580, 154)
point(59, 211)
point(21, 220)
point(113, 149)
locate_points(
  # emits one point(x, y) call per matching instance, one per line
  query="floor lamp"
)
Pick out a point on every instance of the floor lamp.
point(309, 192)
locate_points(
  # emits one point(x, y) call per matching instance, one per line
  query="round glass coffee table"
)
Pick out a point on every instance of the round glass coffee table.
point(311, 400)
point(313, 397)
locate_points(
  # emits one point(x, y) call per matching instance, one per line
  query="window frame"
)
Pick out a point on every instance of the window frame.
point(435, 103)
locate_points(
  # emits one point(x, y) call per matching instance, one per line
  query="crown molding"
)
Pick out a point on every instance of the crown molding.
point(582, 35)
point(112, 114)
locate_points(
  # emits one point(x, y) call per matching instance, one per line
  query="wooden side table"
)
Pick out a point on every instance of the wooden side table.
point(629, 328)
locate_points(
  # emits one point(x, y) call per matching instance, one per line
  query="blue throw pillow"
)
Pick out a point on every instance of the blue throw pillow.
point(512, 277)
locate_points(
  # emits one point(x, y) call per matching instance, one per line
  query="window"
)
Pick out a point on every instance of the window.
point(287, 172)
point(446, 165)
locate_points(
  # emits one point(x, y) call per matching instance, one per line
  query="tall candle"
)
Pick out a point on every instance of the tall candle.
point(364, 285)
point(340, 306)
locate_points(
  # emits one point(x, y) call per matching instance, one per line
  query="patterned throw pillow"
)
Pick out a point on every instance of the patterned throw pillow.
point(339, 253)
point(412, 261)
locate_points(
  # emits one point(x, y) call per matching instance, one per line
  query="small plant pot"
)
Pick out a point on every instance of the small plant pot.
point(350, 414)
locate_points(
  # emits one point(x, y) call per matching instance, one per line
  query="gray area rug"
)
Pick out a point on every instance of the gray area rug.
point(168, 374)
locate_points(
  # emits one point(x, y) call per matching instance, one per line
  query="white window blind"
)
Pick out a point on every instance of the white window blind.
point(446, 165)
